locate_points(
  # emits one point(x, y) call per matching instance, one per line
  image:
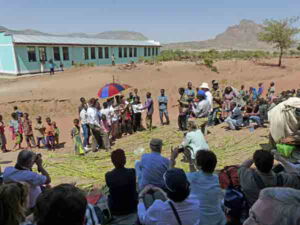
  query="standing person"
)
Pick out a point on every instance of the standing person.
point(16, 131)
point(137, 114)
point(82, 104)
point(150, 109)
point(40, 132)
point(56, 133)
point(85, 127)
point(113, 63)
point(163, 107)
point(2, 135)
point(260, 90)
point(183, 108)
point(189, 92)
point(18, 112)
point(105, 132)
point(52, 66)
point(136, 92)
point(217, 104)
point(28, 131)
point(94, 124)
point(75, 134)
point(271, 91)
point(204, 87)
point(228, 97)
point(50, 134)
point(61, 65)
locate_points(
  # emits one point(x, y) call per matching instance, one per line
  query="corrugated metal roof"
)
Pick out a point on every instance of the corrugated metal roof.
point(36, 39)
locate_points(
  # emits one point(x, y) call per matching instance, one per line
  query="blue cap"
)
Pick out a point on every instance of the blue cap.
point(201, 93)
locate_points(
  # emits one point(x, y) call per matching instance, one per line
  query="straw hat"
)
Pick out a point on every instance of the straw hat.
point(204, 85)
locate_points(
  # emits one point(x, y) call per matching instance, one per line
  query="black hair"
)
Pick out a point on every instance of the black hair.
point(118, 158)
point(181, 193)
point(263, 161)
point(14, 116)
point(63, 204)
point(15, 107)
point(105, 105)
point(76, 121)
point(207, 160)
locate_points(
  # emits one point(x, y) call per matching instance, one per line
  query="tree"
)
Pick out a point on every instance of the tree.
point(280, 33)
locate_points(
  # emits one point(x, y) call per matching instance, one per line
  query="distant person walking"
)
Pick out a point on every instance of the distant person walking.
point(113, 63)
point(51, 65)
point(163, 107)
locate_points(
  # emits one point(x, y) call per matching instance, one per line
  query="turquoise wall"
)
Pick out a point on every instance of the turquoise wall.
point(7, 56)
point(76, 55)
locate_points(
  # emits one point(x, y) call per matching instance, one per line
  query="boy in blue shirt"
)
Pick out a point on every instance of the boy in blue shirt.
point(163, 107)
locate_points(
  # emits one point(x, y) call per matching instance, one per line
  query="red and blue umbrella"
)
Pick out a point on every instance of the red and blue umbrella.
point(112, 89)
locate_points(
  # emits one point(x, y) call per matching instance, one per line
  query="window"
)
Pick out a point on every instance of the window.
point(43, 54)
point(145, 52)
point(125, 52)
point(31, 54)
point(156, 51)
point(93, 53)
point(100, 53)
point(66, 53)
point(153, 51)
point(149, 51)
point(56, 53)
point(135, 52)
point(120, 53)
point(130, 52)
point(86, 53)
point(106, 52)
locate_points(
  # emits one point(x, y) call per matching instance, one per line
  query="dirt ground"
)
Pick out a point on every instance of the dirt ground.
point(58, 96)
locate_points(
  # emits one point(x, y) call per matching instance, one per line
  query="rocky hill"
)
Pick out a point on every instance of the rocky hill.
point(241, 36)
point(116, 35)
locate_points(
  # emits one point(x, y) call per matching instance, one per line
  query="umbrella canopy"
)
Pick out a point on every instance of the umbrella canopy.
point(112, 89)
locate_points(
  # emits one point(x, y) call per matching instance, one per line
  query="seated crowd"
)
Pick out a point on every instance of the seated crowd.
point(156, 192)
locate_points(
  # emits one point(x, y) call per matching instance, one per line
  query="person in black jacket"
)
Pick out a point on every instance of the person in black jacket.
point(121, 181)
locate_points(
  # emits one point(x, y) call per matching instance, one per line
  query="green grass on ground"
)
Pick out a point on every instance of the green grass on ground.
point(231, 147)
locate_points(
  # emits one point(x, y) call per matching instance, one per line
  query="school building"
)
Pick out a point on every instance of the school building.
point(22, 54)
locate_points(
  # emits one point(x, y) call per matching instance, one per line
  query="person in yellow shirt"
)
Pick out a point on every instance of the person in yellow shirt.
point(217, 104)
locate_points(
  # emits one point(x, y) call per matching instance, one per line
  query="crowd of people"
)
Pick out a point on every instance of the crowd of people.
point(155, 191)
point(41, 135)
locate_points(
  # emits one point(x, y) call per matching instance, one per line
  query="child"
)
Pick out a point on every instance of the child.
point(28, 131)
point(75, 134)
point(50, 134)
point(2, 136)
point(56, 133)
point(40, 132)
point(16, 129)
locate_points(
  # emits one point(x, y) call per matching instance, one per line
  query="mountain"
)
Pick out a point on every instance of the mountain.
point(116, 35)
point(242, 36)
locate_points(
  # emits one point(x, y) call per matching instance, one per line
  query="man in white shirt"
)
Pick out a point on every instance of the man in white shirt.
point(85, 126)
point(180, 208)
point(94, 123)
point(204, 87)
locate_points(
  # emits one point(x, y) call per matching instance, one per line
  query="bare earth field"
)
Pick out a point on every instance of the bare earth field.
point(58, 97)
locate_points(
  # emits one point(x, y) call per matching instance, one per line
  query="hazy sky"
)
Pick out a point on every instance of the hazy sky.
point(163, 20)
